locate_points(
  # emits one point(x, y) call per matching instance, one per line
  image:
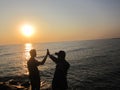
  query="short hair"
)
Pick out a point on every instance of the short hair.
point(32, 51)
point(61, 54)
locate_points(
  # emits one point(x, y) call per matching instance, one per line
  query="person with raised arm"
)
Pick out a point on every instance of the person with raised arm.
point(32, 65)
point(59, 81)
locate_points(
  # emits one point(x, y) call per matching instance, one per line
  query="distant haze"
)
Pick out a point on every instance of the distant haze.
point(59, 20)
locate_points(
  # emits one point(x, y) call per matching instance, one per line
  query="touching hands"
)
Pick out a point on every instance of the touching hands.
point(48, 53)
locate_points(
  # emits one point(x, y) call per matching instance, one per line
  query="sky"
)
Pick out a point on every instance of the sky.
point(59, 20)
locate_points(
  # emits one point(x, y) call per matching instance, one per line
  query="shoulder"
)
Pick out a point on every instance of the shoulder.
point(67, 64)
point(28, 61)
point(31, 61)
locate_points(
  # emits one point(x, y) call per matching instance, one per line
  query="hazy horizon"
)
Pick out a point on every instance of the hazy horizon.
point(56, 21)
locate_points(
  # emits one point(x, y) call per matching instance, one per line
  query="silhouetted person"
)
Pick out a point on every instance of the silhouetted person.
point(60, 76)
point(33, 70)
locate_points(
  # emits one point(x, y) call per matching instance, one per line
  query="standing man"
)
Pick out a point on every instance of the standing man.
point(33, 70)
point(60, 76)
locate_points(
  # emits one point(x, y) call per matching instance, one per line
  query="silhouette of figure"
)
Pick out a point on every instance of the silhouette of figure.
point(60, 76)
point(33, 70)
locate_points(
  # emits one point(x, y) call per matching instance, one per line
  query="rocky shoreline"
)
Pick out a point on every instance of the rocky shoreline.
point(18, 85)
point(21, 83)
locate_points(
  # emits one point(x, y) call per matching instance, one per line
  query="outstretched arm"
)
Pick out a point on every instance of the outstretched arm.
point(43, 61)
point(54, 59)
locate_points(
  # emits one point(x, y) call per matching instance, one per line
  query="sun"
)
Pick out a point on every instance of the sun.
point(27, 30)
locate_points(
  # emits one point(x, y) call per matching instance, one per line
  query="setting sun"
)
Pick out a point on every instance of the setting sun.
point(27, 30)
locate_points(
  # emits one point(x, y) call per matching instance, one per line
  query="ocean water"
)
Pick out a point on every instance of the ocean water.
point(94, 63)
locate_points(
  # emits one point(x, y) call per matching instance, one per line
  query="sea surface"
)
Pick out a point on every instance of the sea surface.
point(95, 64)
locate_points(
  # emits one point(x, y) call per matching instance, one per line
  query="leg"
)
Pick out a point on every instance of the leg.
point(32, 86)
point(37, 84)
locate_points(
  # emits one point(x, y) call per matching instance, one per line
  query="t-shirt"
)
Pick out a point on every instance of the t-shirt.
point(32, 68)
point(60, 75)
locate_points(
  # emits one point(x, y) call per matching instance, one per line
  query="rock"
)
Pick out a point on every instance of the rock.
point(26, 84)
point(6, 87)
point(13, 82)
point(20, 87)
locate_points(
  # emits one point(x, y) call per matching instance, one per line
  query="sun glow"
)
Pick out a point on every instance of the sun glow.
point(27, 30)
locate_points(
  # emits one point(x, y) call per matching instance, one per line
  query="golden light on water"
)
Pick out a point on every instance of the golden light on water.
point(28, 47)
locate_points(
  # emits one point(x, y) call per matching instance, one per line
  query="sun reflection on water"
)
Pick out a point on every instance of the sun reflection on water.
point(27, 48)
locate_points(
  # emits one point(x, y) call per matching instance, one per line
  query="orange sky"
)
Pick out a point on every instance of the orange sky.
point(59, 21)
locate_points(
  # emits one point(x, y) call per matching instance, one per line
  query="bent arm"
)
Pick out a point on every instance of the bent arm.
point(43, 61)
point(54, 59)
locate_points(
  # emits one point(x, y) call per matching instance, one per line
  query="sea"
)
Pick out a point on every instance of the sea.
point(94, 64)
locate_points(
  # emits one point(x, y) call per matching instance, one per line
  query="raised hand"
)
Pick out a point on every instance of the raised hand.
point(48, 53)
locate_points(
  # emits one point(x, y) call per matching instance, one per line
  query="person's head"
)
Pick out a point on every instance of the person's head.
point(61, 54)
point(33, 53)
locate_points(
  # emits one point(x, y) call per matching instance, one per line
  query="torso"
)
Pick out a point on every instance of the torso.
point(32, 68)
point(60, 76)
